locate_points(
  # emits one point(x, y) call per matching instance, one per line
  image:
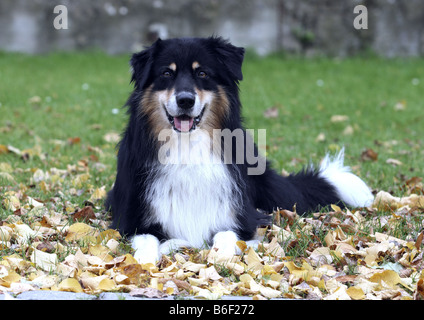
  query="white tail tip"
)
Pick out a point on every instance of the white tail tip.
point(350, 188)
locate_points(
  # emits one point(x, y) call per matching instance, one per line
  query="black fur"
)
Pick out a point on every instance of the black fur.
point(138, 148)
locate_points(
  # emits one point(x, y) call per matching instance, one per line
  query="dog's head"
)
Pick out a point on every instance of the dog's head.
point(184, 83)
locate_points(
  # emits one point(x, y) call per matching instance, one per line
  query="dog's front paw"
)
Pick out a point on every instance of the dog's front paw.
point(172, 245)
point(146, 248)
point(225, 242)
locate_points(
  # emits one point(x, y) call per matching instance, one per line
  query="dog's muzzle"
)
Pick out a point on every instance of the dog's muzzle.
point(184, 121)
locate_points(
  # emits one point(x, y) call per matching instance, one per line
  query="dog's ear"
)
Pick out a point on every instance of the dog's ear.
point(229, 55)
point(141, 63)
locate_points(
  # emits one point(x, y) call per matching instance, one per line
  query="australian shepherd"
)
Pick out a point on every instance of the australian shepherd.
point(181, 181)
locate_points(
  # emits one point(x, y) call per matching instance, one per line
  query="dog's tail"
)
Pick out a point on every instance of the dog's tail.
point(313, 188)
point(349, 187)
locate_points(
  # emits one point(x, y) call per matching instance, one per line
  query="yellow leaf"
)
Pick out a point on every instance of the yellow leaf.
point(355, 293)
point(44, 260)
point(389, 277)
point(254, 262)
point(78, 231)
point(336, 208)
point(193, 267)
point(107, 235)
point(268, 270)
point(11, 203)
point(10, 278)
point(3, 149)
point(101, 252)
point(242, 245)
point(246, 278)
point(274, 249)
point(91, 281)
point(98, 194)
point(71, 285)
point(107, 285)
point(80, 180)
point(129, 260)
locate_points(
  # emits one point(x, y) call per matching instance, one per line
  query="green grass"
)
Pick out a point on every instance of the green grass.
point(365, 90)
point(79, 91)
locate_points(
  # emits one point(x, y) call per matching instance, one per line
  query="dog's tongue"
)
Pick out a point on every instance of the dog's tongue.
point(183, 123)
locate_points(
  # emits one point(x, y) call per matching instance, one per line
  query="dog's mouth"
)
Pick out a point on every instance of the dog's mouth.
point(183, 122)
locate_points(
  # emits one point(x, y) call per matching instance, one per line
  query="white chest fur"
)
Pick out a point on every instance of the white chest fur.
point(192, 194)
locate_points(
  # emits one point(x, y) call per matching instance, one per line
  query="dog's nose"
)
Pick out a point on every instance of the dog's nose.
point(185, 100)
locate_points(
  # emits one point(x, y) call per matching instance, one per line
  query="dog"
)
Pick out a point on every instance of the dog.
point(180, 182)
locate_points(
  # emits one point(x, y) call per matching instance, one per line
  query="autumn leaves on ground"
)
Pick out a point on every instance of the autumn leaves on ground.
point(57, 161)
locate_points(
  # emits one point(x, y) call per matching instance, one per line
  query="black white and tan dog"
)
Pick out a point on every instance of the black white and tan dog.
point(175, 186)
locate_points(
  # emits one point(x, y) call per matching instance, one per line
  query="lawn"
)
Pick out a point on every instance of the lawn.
point(61, 117)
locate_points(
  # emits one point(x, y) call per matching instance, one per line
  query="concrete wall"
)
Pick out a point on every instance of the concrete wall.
point(395, 27)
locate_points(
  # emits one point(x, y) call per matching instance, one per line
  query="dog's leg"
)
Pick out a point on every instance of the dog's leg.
point(146, 248)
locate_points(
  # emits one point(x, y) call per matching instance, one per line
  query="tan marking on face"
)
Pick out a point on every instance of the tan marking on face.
point(151, 105)
point(216, 111)
point(195, 65)
point(173, 66)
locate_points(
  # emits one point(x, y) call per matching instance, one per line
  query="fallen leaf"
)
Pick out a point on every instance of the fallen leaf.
point(74, 140)
point(394, 162)
point(44, 260)
point(369, 155)
point(321, 255)
point(339, 118)
point(71, 285)
point(419, 240)
point(271, 112)
point(355, 293)
point(84, 214)
point(98, 194)
point(390, 277)
point(78, 231)
point(112, 137)
point(147, 292)
point(320, 137)
point(254, 262)
point(419, 292)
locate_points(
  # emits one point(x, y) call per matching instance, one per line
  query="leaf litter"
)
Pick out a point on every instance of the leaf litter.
point(363, 254)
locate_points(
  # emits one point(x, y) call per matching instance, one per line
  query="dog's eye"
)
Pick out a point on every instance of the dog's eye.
point(202, 74)
point(167, 74)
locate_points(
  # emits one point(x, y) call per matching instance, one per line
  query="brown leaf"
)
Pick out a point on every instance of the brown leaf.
point(347, 278)
point(419, 240)
point(369, 155)
point(419, 293)
point(74, 140)
point(46, 246)
point(84, 214)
